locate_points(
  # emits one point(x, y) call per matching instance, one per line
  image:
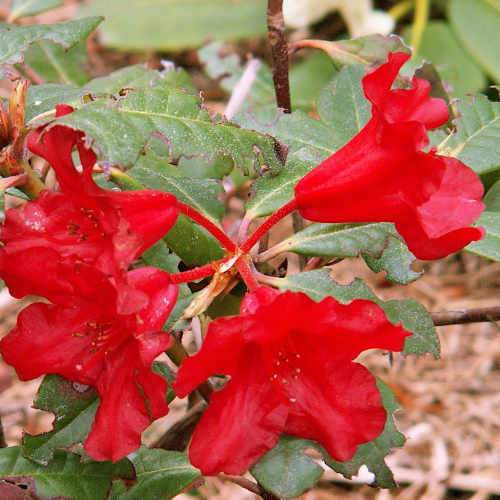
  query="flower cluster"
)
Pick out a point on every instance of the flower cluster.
point(290, 359)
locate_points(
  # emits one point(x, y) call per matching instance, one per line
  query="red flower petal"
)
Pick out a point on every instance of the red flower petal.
point(382, 175)
point(51, 339)
point(287, 356)
point(337, 405)
point(221, 353)
point(242, 422)
point(132, 396)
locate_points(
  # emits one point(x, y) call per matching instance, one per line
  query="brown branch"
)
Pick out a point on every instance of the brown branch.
point(279, 53)
point(178, 436)
point(3, 443)
point(248, 485)
point(478, 315)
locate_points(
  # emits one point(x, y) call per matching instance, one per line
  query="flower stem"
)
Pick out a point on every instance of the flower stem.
point(214, 230)
point(268, 224)
point(247, 274)
point(198, 272)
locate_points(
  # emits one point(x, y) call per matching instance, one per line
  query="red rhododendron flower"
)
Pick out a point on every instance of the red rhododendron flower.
point(105, 228)
point(106, 335)
point(382, 174)
point(290, 360)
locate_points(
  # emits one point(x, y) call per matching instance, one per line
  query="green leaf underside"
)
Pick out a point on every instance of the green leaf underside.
point(455, 66)
point(476, 25)
point(379, 244)
point(65, 475)
point(15, 40)
point(476, 140)
point(74, 407)
point(287, 472)
point(318, 284)
point(25, 8)
point(178, 24)
point(159, 474)
point(121, 129)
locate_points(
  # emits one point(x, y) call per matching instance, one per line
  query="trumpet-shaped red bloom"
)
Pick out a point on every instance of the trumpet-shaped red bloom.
point(382, 174)
point(104, 228)
point(106, 335)
point(290, 360)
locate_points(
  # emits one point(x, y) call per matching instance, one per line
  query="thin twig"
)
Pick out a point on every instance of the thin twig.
point(478, 315)
point(248, 485)
point(3, 443)
point(242, 88)
point(279, 53)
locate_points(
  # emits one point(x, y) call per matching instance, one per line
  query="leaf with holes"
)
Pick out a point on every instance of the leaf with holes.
point(64, 476)
point(121, 129)
point(26, 8)
point(15, 40)
point(74, 407)
point(319, 284)
point(476, 140)
point(43, 98)
point(286, 471)
point(159, 474)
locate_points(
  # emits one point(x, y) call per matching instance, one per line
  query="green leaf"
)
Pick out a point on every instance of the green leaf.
point(64, 476)
point(270, 192)
point(343, 106)
point(318, 284)
point(343, 111)
point(440, 46)
point(15, 40)
point(121, 131)
point(395, 260)
point(372, 454)
point(476, 25)
point(492, 198)
point(170, 25)
point(489, 246)
point(26, 8)
point(476, 140)
point(286, 471)
point(43, 98)
point(74, 407)
point(192, 243)
point(371, 49)
point(307, 79)
point(54, 64)
point(160, 474)
point(379, 245)
point(201, 194)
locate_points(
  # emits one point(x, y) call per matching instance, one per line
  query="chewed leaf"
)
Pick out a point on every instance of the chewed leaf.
point(74, 407)
point(120, 129)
